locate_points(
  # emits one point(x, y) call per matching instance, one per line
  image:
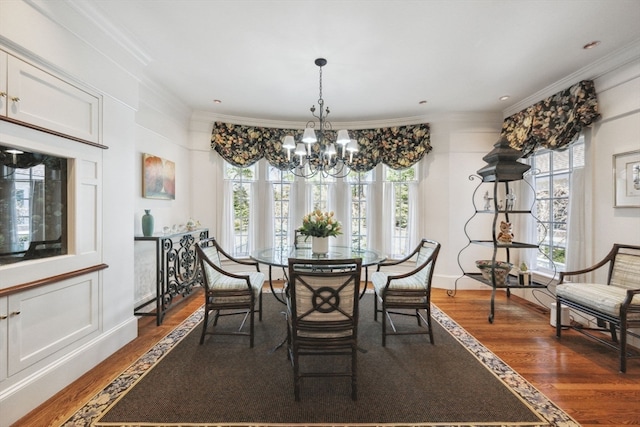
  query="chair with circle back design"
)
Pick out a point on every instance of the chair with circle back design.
point(322, 316)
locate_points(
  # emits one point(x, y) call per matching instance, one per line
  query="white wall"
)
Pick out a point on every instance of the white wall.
point(136, 119)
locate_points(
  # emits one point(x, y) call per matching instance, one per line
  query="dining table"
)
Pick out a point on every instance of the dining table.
point(279, 257)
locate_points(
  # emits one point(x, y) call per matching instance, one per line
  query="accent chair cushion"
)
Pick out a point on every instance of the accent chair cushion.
point(415, 282)
point(603, 298)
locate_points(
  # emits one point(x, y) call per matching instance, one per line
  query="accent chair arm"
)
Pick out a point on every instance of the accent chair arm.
point(220, 250)
point(627, 301)
point(607, 259)
point(400, 261)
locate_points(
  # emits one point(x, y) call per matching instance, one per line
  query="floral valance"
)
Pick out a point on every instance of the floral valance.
point(398, 147)
point(554, 122)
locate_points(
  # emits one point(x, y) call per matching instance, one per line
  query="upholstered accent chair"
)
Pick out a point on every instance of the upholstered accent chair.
point(406, 294)
point(228, 293)
point(322, 317)
point(615, 304)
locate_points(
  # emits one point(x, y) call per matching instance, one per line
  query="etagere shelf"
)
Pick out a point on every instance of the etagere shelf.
point(503, 169)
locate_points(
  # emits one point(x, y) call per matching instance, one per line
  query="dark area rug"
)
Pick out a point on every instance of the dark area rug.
point(409, 382)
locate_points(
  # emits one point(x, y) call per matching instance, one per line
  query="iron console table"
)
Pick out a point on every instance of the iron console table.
point(176, 269)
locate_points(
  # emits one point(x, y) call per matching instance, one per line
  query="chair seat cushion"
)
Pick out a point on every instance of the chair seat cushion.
point(413, 283)
point(603, 298)
point(231, 283)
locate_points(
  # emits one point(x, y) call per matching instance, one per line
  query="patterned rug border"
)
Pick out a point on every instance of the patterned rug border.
point(96, 407)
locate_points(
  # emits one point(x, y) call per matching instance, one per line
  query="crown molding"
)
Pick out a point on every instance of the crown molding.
point(203, 120)
point(596, 69)
point(208, 117)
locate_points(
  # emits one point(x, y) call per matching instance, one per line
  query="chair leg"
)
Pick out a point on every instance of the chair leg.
point(260, 306)
point(384, 325)
point(251, 326)
point(418, 318)
point(623, 344)
point(205, 322)
point(612, 329)
point(429, 327)
point(375, 306)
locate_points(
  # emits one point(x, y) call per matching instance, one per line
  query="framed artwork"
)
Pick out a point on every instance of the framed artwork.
point(158, 178)
point(626, 179)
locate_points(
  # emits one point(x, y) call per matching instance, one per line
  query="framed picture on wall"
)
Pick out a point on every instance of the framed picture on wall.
point(158, 178)
point(626, 179)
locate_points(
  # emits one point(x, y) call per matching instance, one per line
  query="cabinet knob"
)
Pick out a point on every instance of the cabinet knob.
point(14, 313)
point(15, 99)
point(3, 94)
point(2, 317)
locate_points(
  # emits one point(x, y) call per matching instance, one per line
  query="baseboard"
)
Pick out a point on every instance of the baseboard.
point(29, 393)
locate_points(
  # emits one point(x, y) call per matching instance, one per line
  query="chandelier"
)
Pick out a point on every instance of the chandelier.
point(316, 154)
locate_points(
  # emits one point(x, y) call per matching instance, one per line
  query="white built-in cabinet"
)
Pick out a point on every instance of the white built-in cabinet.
point(45, 320)
point(51, 308)
point(4, 332)
point(37, 98)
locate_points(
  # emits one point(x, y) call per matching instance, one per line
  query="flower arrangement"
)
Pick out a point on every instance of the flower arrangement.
point(320, 224)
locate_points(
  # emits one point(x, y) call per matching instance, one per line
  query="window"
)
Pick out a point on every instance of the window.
point(320, 187)
point(360, 184)
point(400, 182)
point(242, 181)
point(355, 199)
point(281, 183)
point(551, 182)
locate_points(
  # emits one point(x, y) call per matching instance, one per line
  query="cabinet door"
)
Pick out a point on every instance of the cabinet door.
point(4, 322)
point(39, 98)
point(47, 319)
point(3, 83)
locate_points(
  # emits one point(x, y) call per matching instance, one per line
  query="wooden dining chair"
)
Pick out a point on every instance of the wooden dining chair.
point(322, 316)
point(227, 293)
point(406, 294)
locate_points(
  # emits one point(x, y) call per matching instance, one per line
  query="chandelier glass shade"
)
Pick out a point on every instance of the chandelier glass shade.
point(315, 153)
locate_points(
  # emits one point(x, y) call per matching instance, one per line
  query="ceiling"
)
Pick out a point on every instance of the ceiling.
point(384, 56)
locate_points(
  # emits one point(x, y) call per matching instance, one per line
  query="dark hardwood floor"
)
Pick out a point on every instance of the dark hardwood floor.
point(579, 375)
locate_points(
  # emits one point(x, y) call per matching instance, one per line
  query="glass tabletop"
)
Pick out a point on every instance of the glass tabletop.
point(280, 256)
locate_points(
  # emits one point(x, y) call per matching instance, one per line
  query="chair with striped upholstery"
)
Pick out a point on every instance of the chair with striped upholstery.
point(405, 294)
point(228, 293)
point(322, 317)
point(615, 304)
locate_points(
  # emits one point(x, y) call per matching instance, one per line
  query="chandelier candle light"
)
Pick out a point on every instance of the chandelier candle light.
point(310, 159)
point(320, 226)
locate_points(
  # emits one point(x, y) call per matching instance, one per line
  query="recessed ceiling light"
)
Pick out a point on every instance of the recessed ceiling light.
point(422, 102)
point(591, 45)
point(217, 101)
point(504, 97)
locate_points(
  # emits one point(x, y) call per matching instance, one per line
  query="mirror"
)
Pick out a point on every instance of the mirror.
point(33, 205)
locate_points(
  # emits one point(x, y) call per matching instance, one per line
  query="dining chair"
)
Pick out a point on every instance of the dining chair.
point(228, 293)
point(405, 294)
point(322, 317)
point(300, 241)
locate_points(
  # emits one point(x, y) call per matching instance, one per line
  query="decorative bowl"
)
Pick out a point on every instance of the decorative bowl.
point(501, 269)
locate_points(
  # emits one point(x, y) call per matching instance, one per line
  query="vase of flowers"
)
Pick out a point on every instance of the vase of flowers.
point(320, 226)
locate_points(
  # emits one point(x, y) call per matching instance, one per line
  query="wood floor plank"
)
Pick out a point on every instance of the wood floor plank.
point(579, 375)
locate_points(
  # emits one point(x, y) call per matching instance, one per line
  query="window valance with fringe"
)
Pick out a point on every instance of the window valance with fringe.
point(398, 147)
point(554, 122)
